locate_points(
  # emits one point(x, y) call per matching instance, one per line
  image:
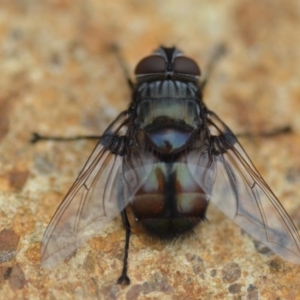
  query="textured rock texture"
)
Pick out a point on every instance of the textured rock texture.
point(59, 76)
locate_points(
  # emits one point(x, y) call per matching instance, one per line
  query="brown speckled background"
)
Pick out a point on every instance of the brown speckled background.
point(59, 76)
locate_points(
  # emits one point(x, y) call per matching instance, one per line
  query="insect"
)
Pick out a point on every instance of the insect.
point(166, 157)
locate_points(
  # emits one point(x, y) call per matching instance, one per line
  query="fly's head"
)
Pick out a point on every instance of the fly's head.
point(167, 63)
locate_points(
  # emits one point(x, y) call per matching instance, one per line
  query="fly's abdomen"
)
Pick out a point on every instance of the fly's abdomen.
point(170, 201)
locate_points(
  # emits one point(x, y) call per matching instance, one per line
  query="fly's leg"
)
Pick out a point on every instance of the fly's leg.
point(215, 56)
point(270, 133)
point(123, 66)
point(36, 137)
point(229, 134)
point(124, 279)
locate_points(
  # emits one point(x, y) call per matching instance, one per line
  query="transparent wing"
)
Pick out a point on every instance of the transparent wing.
point(92, 201)
point(138, 168)
point(240, 192)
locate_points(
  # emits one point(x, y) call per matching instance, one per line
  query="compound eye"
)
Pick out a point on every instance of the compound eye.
point(151, 64)
point(185, 65)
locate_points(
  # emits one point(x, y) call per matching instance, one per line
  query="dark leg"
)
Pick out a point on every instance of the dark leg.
point(109, 131)
point(270, 133)
point(123, 65)
point(124, 279)
point(37, 138)
point(247, 134)
point(215, 56)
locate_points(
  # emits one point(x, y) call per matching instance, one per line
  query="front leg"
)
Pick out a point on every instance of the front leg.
point(121, 120)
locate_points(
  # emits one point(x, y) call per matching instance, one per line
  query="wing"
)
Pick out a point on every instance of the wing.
point(92, 201)
point(240, 192)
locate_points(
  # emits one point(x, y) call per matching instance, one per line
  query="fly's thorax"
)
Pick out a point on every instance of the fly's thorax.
point(167, 123)
point(178, 112)
point(170, 201)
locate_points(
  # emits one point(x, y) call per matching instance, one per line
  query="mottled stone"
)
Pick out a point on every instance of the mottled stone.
point(275, 265)
point(60, 77)
point(261, 248)
point(17, 179)
point(213, 273)
point(231, 272)
point(235, 288)
point(134, 292)
point(197, 263)
point(4, 117)
point(293, 175)
point(8, 244)
point(252, 292)
point(17, 278)
point(4, 273)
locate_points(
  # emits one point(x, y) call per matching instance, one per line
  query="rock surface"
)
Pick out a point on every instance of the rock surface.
point(60, 77)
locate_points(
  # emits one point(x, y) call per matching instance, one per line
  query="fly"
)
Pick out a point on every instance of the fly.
point(165, 158)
